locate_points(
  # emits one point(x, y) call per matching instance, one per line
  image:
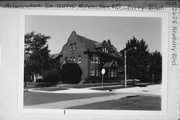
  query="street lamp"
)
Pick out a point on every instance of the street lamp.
point(125, 64)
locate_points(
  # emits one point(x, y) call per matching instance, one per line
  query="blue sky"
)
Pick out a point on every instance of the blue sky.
point(118, 29)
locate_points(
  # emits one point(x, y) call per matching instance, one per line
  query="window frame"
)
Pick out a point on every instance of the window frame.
point(79, 59)
point(70, 48)
point(92, 72)
point(95, 59)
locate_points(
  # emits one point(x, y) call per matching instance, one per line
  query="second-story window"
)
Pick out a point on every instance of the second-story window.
point(71, 59)
point(105, 50)
point(95, 59)
point(74, 59)
point(72, 47)
point(79, 59)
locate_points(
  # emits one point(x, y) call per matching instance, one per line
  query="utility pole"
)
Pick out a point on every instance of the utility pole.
point(125, 65)
point(125, 74)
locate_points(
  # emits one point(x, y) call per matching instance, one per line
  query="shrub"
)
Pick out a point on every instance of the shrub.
point(51, 76)
point(71, 73)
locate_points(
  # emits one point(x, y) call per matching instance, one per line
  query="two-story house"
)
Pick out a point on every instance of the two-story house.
point(92, 56)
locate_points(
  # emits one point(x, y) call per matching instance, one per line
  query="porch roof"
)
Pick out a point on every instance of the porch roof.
point(111, 64)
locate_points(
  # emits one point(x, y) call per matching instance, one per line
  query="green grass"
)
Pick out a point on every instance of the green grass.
point(34, 98)
point(108, 87)
point(38, 84)
point(128, 103)
point(51, 88)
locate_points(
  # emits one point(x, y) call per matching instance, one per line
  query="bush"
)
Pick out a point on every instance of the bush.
point(94, 79)
point(98, 79)
point(71, 73)
point(51, 76)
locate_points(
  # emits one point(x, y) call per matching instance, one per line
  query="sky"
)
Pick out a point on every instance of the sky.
point(118, 29)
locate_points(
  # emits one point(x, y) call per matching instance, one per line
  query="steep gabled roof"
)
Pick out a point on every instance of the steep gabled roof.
point(90, 44)
point(98, 45)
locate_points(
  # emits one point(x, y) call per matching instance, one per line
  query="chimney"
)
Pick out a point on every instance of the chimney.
point(109, 41)
point(104, 41)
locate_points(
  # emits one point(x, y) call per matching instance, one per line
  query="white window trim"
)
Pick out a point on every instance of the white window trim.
point(74, 59)
point(79, 59)
point(92, 72)
point(96, 72)
point(70, 48)
point(95, 59)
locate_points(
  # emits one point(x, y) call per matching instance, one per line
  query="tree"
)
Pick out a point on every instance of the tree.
point(138, 60)
point(36, 55)
point(53, 73)
point(155, 67)
point(71, 73)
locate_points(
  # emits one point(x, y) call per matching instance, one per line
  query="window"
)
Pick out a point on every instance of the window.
point(105, 50)
point(79, 59)
point(92, 72)
point(74, 59)
point(71, 58)
point(72, 47)
point(96, 72)
point(95, 59)
point(113, 73)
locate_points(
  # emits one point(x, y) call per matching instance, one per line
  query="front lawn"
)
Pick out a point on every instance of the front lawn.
point(108, 87)
point(128, 103)
point(51, 88)
point(34, 98)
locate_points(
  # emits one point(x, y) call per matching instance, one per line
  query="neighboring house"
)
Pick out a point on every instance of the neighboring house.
point(92, 56)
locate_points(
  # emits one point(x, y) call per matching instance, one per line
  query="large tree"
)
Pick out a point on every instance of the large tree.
point(36, 55)
point(155, 67)
point(140, 60)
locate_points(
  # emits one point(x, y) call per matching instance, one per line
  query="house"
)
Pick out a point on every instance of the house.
point(92, 56)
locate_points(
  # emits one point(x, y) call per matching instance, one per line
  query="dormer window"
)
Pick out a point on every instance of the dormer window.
point(105, 50)
point(74, 59)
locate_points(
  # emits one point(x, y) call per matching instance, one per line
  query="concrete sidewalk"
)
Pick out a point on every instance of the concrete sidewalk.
point(152, 90)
